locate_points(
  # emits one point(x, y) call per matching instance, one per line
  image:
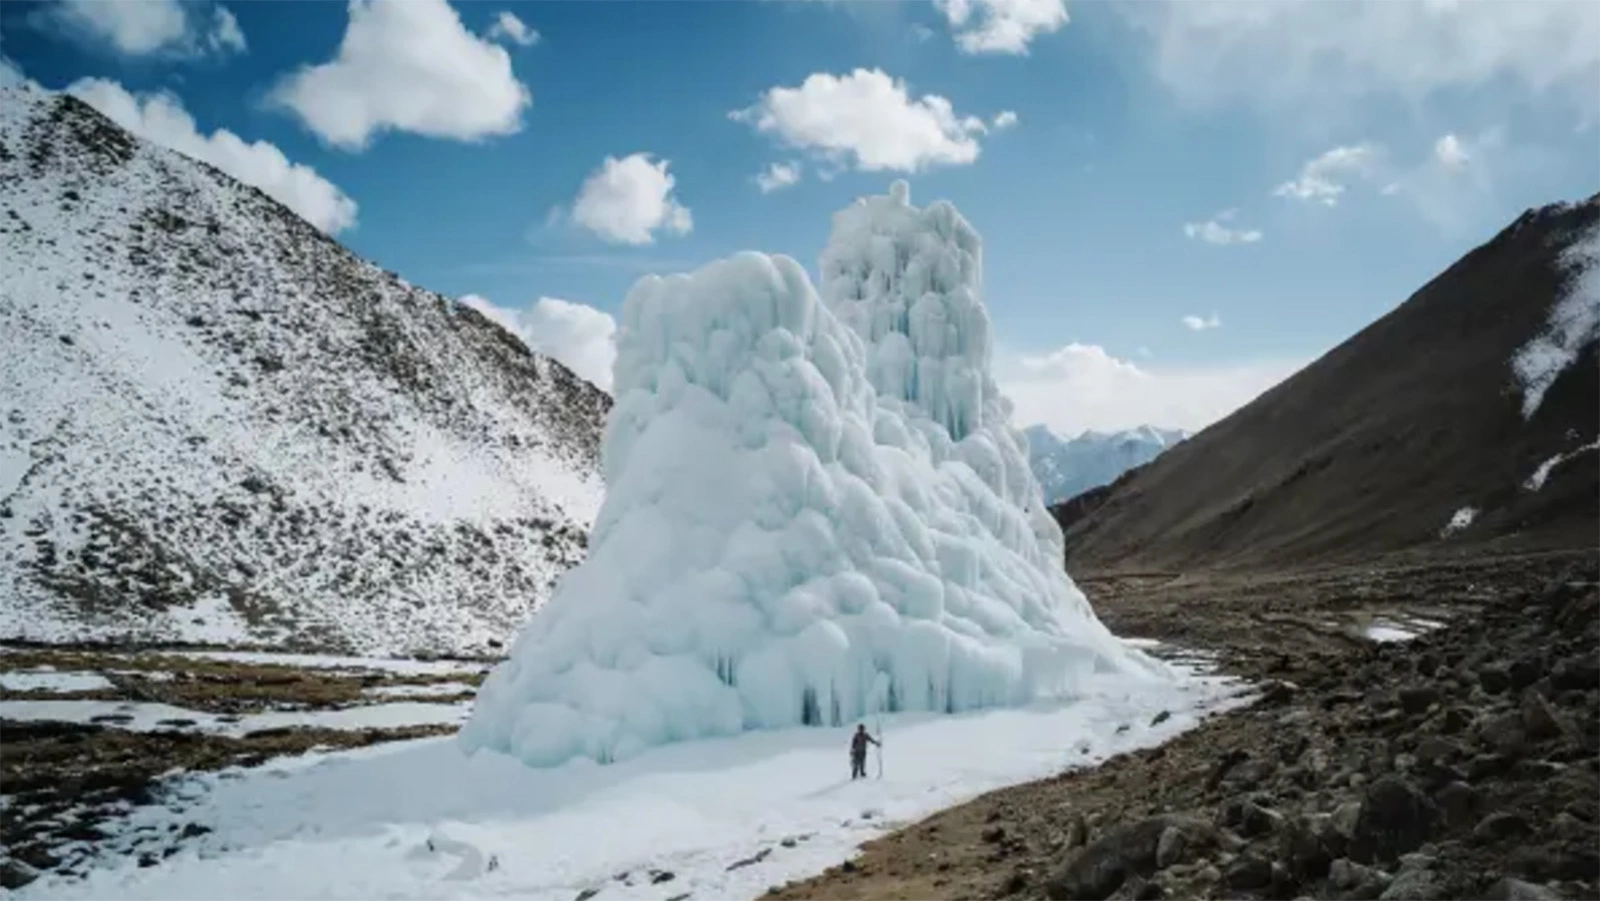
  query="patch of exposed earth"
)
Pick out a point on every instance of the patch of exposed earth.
point(88, 733)
point(1461, 763)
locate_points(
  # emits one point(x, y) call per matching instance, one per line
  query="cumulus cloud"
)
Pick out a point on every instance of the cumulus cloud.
point(1082, 386)
point(868, 120)
point(1320, 54)
point(1001, 26)
point(507, 27)
point(411, 66)
point(162, 119)
point(1200, 324)
point(1219, 230)
point(628, 200)
point(581, 337)
point(778, 176)
point(1323, 178)
point(151, 27)
point(1005, 119)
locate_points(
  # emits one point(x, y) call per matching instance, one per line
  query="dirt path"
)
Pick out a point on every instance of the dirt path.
point(1462, 764)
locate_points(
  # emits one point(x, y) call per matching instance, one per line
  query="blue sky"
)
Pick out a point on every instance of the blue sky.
point(1193, 199)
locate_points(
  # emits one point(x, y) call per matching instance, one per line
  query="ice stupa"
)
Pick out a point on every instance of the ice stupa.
point(814, 510)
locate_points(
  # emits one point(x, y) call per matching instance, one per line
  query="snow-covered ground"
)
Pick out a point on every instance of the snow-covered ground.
point(359, 824)
point(154, 717)
point(52, 680)
point(428, 689)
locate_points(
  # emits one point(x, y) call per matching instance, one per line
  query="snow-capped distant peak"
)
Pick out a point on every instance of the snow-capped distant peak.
point(1067, 467)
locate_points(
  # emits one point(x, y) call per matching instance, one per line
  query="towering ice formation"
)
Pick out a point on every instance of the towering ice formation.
point(813, 511)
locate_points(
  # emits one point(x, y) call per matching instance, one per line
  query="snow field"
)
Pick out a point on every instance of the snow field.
point(814, 511)
point(155, 717)
point(338, 826)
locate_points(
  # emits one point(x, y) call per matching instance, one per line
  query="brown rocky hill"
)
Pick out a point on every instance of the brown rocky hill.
point(1374, 449)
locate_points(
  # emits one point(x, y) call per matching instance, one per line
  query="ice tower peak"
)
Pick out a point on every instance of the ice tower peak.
point(814, 510)
point(900, 192)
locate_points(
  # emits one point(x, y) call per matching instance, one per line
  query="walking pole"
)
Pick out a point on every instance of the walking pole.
point(880, 742)
point(881, 690)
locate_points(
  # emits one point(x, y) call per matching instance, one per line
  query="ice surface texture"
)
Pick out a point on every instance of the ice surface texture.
point(812, 511)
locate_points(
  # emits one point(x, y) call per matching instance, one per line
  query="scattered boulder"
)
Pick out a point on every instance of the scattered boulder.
point(1100, 868)
point(1516, 890)
point(1393, 818)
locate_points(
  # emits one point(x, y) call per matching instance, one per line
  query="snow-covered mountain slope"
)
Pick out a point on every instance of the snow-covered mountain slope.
point(220, 425)
point(1067, 467)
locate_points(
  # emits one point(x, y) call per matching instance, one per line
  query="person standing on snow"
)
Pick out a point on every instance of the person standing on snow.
point(858, 751)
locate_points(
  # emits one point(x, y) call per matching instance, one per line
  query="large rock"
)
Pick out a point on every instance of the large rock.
point(1394, 818)
point(1101, 868)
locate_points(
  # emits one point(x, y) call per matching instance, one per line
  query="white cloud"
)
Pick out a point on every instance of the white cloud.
point(1450, 152)
point(1322, 54)
point(921, 33)
point(580, 336)
point(868, 119)
point(147, 27)
point(1198, 324)
point(1081, 386)
point(1325, 177)
point(225, 33)
point(161, 119)
point(1217, 230)
point(626, 201)
point(1452, 184)
point(407, 65)
point(1005, 119)
point(508, 27)
point(1001, 26)
point(778, 176)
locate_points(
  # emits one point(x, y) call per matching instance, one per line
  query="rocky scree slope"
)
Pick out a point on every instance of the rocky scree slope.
point(221, 426)
point(1409, 436)
point(1462, 764)
point(1067, 467)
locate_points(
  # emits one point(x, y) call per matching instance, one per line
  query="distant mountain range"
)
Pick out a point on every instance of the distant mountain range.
point(218, 425)
point(1067, 467)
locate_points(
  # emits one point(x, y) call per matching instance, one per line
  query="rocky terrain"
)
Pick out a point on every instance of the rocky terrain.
point(1466, 419)
point(1464, 763)
point(1067, 467)
point(222, 427)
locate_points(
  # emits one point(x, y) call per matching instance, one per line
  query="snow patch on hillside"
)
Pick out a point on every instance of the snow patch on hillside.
point(1574, 322)
point(1459, 520)
point(814, 512)
point(1542, 474)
